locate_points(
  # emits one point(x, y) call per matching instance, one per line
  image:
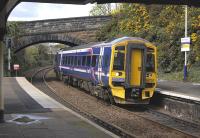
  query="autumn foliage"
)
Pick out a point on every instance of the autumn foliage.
point(161, 25)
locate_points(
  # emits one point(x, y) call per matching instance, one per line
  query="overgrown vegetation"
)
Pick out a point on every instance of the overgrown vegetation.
point(29, 58)
point(161, 25)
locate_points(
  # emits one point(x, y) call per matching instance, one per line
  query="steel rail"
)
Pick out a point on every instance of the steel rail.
point(110, 127)
point(149, 114)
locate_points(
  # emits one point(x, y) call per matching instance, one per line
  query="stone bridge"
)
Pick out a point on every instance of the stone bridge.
point(70, 31)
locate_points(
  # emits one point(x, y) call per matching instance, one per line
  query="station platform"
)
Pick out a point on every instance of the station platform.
point(29, 113)
point(185, 90)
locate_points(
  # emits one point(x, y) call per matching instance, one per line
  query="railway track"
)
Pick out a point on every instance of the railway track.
point(180, 125)
point(148, 114)
point(38, 79)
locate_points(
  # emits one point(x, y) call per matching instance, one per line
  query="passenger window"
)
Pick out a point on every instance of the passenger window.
point(83, 60)
point(94, 59)
point(106, 60)
point(66, 60)
point(72, 61)
point(69, 58)
point(88, 61)
point(63, 60)
point(75, 61)
point(79, 60)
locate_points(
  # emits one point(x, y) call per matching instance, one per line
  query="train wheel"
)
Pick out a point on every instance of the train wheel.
point(110, 97)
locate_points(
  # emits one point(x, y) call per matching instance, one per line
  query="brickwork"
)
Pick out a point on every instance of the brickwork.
point(70, 31)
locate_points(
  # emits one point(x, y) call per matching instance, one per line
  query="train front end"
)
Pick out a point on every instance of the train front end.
point(133, 71)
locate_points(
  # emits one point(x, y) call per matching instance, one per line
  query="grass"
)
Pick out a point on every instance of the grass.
point(193, 75)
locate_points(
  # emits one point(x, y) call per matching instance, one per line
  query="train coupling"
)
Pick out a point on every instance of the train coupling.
point(135, 93)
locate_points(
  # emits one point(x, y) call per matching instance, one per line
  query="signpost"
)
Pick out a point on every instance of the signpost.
point(185, 44)
point(16, 68)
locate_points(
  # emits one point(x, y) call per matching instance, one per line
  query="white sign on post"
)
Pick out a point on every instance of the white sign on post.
point(185, 44)
point(16, 66)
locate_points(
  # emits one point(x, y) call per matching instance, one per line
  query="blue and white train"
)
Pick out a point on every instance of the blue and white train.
point(122, 71)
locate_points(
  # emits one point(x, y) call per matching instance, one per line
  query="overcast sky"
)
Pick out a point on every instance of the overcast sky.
point(37, 11)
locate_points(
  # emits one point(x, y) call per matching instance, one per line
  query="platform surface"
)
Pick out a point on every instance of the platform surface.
point(180, 89)
point(35, 115)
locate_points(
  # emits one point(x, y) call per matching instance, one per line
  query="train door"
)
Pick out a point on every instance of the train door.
point(100, 71)
point(136, 67)
point(60, 64)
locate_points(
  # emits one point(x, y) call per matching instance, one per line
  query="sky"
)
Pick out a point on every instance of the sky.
point(27, 11)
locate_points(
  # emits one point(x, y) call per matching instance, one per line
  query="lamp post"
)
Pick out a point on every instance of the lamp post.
point(185, 65)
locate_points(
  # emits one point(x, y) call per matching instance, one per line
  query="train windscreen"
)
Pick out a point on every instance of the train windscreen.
point(119, 58)
point(150, 63)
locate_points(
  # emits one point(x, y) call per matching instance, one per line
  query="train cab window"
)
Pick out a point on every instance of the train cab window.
point(83, 60)
point(88, 61)
point(119, 58)
point(94, 60)
point(120, 48)
point(150, 63)
point(79, 60)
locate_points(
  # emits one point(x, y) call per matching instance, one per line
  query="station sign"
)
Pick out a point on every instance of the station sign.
point(185, 44)
point(16, 66)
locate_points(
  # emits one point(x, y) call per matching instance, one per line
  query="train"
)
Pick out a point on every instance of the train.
point(120, 71)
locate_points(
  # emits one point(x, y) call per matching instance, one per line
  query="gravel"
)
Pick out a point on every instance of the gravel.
point(128, 121)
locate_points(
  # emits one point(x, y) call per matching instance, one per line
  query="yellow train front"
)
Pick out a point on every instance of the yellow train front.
point(133, 71)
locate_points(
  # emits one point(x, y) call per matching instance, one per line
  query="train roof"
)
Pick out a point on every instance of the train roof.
point(105, 43)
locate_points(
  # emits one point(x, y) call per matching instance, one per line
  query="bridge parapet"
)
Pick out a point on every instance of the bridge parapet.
point(63, 25)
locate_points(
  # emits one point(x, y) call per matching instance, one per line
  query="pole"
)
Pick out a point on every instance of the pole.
point(1, 84)
point(185, 64)
point(9, 60)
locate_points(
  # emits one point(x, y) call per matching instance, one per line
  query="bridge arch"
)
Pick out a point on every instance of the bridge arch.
point(26, 41)
point(71, 31)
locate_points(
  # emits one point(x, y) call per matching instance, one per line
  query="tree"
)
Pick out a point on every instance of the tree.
point(101, 9)
point(162, 25)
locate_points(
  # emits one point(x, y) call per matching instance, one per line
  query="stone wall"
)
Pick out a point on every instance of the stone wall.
point(70, 31)
point(63, 25)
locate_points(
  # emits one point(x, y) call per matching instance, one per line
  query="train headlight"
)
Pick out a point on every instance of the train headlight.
point(118, 74)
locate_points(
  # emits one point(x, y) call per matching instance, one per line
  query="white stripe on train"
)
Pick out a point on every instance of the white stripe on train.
point(83, 70)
